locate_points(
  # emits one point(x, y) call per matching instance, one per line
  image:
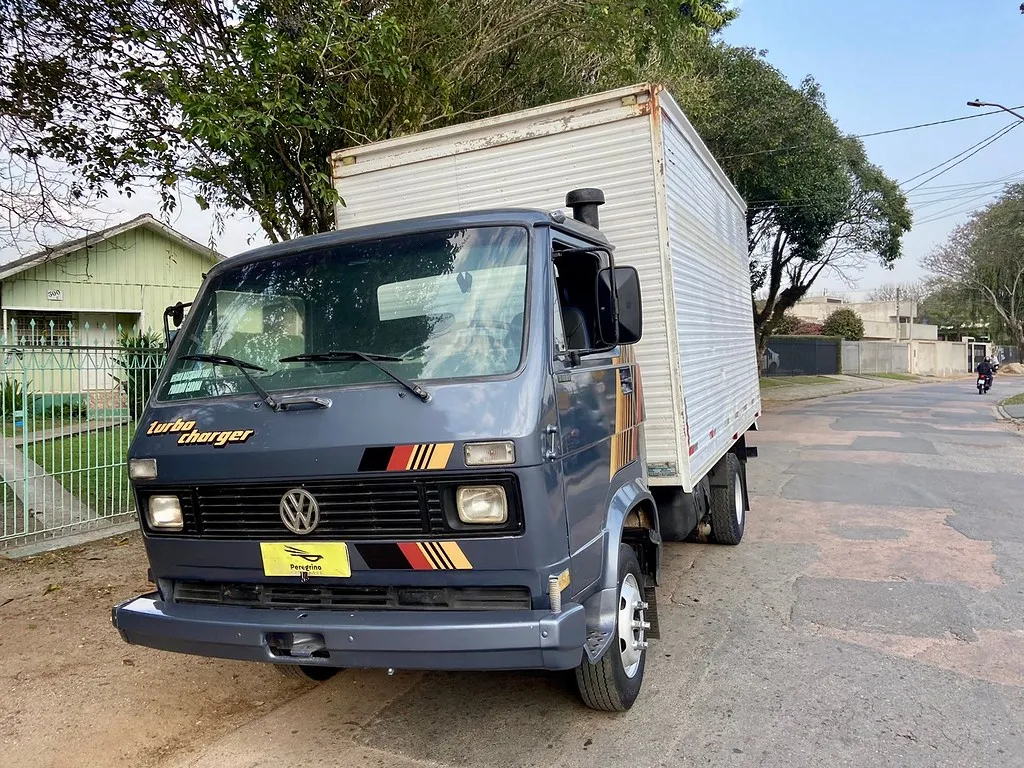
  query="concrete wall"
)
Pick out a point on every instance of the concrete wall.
point(938, 358)
point(865, 357)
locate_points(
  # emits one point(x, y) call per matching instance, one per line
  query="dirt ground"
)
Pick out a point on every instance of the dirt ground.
point(73, 694)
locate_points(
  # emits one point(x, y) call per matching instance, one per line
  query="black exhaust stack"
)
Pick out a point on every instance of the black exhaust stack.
point(584, 204)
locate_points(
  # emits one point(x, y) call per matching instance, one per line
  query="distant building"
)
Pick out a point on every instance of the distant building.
point(883, 320)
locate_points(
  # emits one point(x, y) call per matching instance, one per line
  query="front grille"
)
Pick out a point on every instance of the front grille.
point(344, 598)
point(350, 508)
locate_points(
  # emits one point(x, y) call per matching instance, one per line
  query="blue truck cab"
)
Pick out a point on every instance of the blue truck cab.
point(412, 445)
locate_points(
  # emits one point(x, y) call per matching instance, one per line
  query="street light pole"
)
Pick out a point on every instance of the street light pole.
point(977, 103)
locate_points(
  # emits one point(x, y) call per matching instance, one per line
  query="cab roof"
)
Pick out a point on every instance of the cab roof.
point(496, 217)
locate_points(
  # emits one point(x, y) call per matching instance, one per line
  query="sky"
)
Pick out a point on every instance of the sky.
point(887, 64)
point(883, 64)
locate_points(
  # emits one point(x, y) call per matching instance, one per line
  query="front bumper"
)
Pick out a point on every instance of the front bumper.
point(371, 639)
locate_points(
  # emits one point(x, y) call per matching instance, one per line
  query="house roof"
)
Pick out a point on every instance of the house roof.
point(51, 253)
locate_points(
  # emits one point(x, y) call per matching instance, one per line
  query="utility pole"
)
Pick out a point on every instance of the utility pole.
point(899, 329)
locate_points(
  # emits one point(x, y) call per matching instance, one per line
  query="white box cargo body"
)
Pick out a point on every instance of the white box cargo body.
point(671, 213)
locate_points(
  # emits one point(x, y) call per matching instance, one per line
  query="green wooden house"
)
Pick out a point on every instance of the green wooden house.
point(77, 293)
point(63, 308)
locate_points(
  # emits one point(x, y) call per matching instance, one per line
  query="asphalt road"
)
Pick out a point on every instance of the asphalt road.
point(872, 616)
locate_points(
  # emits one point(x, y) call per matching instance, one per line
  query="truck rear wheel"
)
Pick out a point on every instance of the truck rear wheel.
point(729, 504)
point(613, 684)
point(307, 672)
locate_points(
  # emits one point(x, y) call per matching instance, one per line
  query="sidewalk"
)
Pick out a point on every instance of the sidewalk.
point(841, 385)
point(788, 393)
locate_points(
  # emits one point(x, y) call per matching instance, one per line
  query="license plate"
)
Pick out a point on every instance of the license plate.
point(290, 558)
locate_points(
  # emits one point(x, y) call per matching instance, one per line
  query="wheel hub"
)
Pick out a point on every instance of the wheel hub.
point(738, 501)
point(632, 625)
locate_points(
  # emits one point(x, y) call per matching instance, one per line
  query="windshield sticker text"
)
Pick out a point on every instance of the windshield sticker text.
point(188, 381)
point(188, 434)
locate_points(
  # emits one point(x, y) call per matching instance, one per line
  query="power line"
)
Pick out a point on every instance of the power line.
point(869, 135)
point(986, 143)
point(950, 212)
point(954, 157)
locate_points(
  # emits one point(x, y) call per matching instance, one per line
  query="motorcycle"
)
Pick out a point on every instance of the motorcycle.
point(984, 383)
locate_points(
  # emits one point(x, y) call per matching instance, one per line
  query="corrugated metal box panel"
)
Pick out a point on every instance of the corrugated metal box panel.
point(711, 287)
point(532, 161)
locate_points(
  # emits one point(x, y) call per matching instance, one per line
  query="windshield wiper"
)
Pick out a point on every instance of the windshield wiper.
point(242, 366)
point(342, 355)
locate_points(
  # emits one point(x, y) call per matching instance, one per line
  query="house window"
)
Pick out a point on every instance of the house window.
point(51, 329)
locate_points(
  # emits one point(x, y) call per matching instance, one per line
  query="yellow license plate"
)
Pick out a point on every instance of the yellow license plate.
point(291, 558)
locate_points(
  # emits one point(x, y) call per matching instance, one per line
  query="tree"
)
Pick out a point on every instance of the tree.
point(815, 203)
point(844, 323)
point(788, 325)
point(900, 292)
point(241, 101)
point(983, 262)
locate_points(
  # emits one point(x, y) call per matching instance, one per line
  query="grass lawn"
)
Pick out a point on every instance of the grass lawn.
point(91, 466)
point(785, 381)
point(38, 424)
point(894, 376)
point(1015, 400)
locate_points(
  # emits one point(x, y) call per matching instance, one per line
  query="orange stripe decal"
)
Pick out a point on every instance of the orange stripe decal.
point(439, 458)
point(456, 556)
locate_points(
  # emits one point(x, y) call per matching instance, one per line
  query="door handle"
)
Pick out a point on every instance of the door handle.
point(551, 440)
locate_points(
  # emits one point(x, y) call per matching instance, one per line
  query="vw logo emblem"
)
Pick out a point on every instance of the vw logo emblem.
point(300, 511)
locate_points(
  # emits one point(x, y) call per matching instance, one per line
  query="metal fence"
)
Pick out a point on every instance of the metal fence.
point(67, 415)
point(801, 356)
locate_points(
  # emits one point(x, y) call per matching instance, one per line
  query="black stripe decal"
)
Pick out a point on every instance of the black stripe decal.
point(376, 459)
point(417, 454)
point(425, 546)
point(430, 454)
point(444, 556)
point(384, 557)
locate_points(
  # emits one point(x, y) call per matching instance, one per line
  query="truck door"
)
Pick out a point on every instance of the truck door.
point(585, 384)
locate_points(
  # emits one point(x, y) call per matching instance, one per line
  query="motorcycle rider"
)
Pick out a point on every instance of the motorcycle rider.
point(985, 369)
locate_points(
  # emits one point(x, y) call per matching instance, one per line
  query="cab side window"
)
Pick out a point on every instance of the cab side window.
point(558, 322)
point(576, 278)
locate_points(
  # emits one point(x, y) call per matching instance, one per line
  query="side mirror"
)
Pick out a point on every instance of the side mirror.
point(619, 309)
point(176, 314)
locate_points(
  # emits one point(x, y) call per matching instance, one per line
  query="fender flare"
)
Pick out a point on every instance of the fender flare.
point(601, 607)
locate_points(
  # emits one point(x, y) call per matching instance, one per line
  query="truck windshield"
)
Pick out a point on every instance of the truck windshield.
point(435, 305)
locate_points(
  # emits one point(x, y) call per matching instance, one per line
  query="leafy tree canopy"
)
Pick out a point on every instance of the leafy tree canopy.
point(844, 323)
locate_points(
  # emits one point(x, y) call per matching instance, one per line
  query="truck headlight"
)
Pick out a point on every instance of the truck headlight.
point(164, 513)
point(482, 504)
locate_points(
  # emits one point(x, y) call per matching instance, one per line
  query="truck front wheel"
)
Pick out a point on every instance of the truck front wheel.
point(307, 672)
point(613, 684)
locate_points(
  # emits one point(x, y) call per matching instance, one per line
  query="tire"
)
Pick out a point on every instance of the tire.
point(613, 683)
point(728, 504)
point(307, 672)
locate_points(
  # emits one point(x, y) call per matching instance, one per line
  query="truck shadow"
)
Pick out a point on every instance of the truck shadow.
point(469, 718)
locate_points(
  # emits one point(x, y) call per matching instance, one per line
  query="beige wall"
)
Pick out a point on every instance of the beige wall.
point(938, 358)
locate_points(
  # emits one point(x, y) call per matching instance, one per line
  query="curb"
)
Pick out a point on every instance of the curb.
point(68, 540)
